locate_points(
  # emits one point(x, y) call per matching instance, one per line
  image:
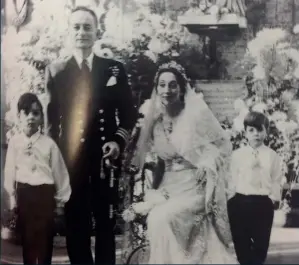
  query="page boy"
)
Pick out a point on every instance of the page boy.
point(255, 186)
point(36, 175)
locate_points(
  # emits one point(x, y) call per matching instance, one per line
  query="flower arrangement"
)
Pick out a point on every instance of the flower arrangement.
point(28, 50)
point(132, 34)
point(144, 40)
point(272, 64)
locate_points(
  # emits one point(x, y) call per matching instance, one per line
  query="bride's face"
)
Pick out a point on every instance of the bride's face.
point(168, 88)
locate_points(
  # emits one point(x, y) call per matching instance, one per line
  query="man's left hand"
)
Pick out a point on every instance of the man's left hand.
point(111, 150)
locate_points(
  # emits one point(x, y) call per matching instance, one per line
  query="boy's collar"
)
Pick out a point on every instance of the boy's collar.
point(256, 148)
point(33, 137)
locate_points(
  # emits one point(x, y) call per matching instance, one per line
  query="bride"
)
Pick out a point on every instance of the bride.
point(186, 210)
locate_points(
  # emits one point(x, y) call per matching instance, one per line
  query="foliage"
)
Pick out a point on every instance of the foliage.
point(272, 83)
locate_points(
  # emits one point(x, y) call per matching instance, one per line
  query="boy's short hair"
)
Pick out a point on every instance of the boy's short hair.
point(88, 10)
point(257, 120)
point(25, 102)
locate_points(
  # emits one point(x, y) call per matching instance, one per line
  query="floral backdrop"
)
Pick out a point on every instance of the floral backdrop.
point(142, 37)
point(131, 34)
point(272, 64)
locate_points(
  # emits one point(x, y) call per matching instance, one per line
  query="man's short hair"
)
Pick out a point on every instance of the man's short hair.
point(257, 120)
point(88, 10)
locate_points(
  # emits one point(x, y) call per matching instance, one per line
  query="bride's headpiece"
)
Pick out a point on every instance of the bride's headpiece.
point(171, 65)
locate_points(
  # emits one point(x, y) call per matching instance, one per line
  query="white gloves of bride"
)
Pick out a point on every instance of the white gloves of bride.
point(151, 199)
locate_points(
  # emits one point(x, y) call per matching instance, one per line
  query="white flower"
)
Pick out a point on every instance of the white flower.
point(158, 46)
point(118, 25)
point(283, 45)
point(287, 97)
point(129, 215)
point(260, 107)
point(238, 124)
point(265, 39)
point(239, 105)
point(151, 55)
point(144, 109)
point(224, 10)
point(6, 233)
point(291, 126)
point(279, 218)
point(270, 103)
point(283, 181)
point(259, 72)
point(102, 52)
point(194, 12)
point(296, 29)
point(278, 116)
point(296, 73)
point(281, 125)
point(174, 53)
point(214, 10)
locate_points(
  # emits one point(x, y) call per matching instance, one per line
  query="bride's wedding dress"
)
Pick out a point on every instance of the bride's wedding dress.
point(187, 220)
point(180, 230)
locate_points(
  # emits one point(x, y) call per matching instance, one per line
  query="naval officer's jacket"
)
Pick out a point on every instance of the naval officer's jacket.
point(83, 107)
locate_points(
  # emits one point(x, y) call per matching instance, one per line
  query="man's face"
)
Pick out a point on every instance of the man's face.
point(83, 30)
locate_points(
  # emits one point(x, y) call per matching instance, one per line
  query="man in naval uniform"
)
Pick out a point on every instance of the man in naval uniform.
point(86, 92)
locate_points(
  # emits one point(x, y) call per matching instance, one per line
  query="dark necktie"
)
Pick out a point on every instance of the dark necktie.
point(84, 67)
point(86, 74)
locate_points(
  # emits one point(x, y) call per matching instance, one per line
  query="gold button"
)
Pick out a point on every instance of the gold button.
point(102, 120)
point(103, 138)
point(82, 140)
point(101, 111)
point(102, 129)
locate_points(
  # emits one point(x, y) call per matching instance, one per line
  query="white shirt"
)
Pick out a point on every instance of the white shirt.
point(79, 60)
point(256, 172)
point(35, 161)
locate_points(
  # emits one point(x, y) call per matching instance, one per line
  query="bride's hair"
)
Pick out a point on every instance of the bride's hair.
point(179, 73)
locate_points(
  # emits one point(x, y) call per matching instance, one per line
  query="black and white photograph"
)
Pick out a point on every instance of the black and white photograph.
point(149, 132)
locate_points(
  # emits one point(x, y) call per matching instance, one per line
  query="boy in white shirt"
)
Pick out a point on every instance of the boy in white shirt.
point(254, 188)
point(35, 177)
